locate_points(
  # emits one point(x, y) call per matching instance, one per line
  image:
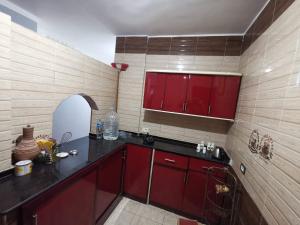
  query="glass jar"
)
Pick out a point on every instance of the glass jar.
point(111, 126)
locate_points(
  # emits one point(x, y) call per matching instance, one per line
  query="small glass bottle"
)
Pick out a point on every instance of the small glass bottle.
point(99, 129)
point(111, 126)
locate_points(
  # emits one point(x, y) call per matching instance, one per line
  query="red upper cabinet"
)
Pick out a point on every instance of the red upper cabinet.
point(198, 94)
point(175, 93)
point(203, 95)
point(137, 171)
point(224, 96)
point(154, 91)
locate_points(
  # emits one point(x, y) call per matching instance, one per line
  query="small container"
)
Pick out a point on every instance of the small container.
point(23, 168)
point(111, 126)
point(198, 148)
point(99, 129)
point(204, 150)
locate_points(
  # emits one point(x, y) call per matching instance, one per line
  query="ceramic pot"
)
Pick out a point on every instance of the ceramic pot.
point(27, 148)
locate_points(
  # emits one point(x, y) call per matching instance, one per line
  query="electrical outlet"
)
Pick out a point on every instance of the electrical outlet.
point(243, 168)
point(145, 130)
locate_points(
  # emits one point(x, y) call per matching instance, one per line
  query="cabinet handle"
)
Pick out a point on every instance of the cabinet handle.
point(209, 109)
point(170, 160)
point(161, 104)
point(185, 108)
point(186, 177)
point(34, 219)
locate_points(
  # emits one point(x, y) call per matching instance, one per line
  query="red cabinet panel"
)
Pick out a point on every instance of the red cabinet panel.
point(175, 92)
point(194, 195)
point(171, 160)
point(137, 171)
point(154, 90)
point(197, 179)
point(224, 96)
point(198, 94)
point(167, 186)
point(72, 206)
point(109, 179)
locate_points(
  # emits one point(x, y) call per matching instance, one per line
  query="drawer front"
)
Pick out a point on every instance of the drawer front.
point(172, 160)
point(203, 165)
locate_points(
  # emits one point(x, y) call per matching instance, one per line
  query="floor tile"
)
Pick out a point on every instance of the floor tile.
point(130, 212)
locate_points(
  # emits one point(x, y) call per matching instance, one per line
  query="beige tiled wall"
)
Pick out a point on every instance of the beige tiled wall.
point(36, 75)
point(270, 102)
point(5, 93)
point(185, 128)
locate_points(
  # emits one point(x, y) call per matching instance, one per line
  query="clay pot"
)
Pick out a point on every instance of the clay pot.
point(27, 148)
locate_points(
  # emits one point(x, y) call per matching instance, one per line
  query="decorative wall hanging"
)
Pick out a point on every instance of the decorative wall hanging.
point(264, 147)
point(254, 141)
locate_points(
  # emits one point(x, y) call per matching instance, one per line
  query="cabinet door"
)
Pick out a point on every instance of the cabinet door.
point(167, 186)
point(175, 93)
point(154, 91)
point(137, 171)
point(224, 96)
point(109, 180)
point(72, 206)
point(194, 196)
point(198, 94)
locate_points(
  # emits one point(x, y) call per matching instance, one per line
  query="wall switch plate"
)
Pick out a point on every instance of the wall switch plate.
point(145, 130)
point(243, 168)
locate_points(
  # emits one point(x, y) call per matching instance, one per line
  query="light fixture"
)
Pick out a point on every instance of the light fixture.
point(119, 67)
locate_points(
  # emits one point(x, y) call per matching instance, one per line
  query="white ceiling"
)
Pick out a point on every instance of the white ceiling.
point(149, 17)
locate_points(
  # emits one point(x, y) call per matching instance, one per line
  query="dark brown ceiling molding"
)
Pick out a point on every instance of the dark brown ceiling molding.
point(211, 46)
point(233, 46)
point(159, 46)
point(135, 44)
point(268, 16)
point(183, 46)
point(280, 7)
point(206, 46)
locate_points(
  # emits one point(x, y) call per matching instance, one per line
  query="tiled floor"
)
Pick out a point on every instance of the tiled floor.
point(130, 212)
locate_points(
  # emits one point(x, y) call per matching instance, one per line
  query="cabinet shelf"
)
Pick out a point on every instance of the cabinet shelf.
point(186, 114)
point(202, 72)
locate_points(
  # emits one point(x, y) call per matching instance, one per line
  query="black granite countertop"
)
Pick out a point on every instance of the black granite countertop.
point(16, 191)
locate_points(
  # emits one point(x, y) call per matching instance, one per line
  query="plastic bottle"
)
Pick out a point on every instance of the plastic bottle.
point(99, 129)
point(111, 126)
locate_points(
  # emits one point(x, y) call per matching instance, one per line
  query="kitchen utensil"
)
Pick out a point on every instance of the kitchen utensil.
point(73, 152)
point(62, 154)
point(65, 137)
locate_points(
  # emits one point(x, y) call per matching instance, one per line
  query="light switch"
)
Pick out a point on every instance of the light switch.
point(243, 168)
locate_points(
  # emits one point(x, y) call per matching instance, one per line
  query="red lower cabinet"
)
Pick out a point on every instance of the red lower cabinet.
point(194, 196)
point(74, 205)
point(167, 186)
point(137, 171)
point(109, 179)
